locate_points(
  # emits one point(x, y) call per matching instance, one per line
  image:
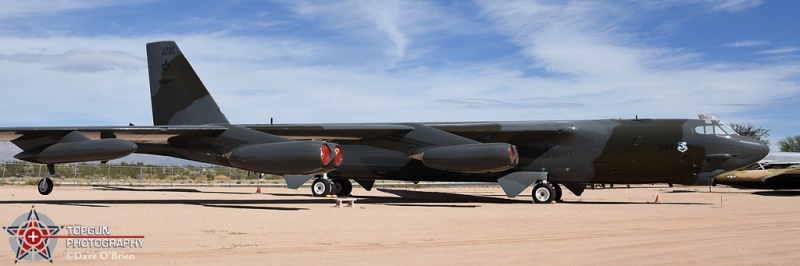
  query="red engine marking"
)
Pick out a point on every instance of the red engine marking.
point(513, 154)
point(337, 157)
point(325, 154)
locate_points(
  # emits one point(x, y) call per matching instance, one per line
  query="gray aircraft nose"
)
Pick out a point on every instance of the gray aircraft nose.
point(752, 150)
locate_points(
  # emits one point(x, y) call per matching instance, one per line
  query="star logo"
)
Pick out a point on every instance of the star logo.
point(30, 235)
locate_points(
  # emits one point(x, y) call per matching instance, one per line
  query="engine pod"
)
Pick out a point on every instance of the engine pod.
point(80, 151)
point(292, 157)
point(472, 158)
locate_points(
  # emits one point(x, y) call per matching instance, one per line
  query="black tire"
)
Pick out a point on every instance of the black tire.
point(558, 191)
point(45, 186)
point(345, 187)
point(321, 187)
point(543, 193)
point(335, 187)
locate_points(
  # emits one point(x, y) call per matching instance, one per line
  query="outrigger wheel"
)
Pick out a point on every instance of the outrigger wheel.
point(46, 184)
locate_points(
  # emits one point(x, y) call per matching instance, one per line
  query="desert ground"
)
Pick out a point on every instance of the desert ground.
point(409, 225)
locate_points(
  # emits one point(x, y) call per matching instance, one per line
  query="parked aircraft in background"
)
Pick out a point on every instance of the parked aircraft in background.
point(189, 124)
point(778, 170)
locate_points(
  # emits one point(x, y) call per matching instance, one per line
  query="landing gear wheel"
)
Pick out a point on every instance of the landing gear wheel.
point(335, 187)
point(559, 193)
point(345, 187)
point(321, 187)
point(45, 186)
point(543, 193)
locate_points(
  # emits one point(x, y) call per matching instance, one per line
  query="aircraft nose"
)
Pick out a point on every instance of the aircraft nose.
point(752, 150)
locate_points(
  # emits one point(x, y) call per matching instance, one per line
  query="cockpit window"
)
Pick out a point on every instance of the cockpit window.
point(720, 130)
point(727, 130)
point(704, 129)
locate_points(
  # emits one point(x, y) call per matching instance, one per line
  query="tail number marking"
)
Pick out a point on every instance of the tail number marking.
point(168, 51)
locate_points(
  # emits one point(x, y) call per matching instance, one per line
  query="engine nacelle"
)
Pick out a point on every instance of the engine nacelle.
point(336, 158)
point(472, 158)
point(292, 157)
point(80, 151)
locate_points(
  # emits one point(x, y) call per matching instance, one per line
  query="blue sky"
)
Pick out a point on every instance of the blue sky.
point(82, 62)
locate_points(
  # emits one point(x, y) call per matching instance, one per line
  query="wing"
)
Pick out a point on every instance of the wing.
point(136, 134)
point(510, 132)
point(49, 145)
point(515, 132)
point(333, 132)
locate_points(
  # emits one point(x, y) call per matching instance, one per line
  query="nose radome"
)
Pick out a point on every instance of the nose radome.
point(753, 150)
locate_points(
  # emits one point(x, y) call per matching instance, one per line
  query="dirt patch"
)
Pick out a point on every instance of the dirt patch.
point(473, 225)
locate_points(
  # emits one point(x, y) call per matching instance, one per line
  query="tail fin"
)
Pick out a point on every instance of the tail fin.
point(177, 95)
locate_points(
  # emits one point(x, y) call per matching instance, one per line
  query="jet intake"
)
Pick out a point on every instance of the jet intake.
point(472, 158)
point(293, 157)
point(79, 151)
point(337, 154)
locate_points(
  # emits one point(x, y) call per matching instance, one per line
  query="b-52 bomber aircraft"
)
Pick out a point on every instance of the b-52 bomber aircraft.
point(189, 124)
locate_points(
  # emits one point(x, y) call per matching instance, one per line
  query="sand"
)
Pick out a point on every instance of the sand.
point(441, 226)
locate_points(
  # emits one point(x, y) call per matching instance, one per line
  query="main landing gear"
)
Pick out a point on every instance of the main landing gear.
point(338, 186)
point(546, 192)
point(46, 184)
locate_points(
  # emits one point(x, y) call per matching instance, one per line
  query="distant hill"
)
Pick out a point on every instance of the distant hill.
point(8, 150)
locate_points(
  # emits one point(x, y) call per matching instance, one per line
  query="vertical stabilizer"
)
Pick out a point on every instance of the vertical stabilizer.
point(178, 97)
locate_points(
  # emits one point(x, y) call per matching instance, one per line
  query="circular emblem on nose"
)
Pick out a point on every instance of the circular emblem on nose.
point(682, 147)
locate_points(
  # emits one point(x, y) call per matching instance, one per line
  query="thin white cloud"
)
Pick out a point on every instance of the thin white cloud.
point(390, 25)
point(748, 43)
point(82, 60)
point(478, 102)
point(384, 15)
point(778, 51)
point(377, 20)
point(733, 5)
point(16, 9)
point(670, 26)
point(728, 6)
